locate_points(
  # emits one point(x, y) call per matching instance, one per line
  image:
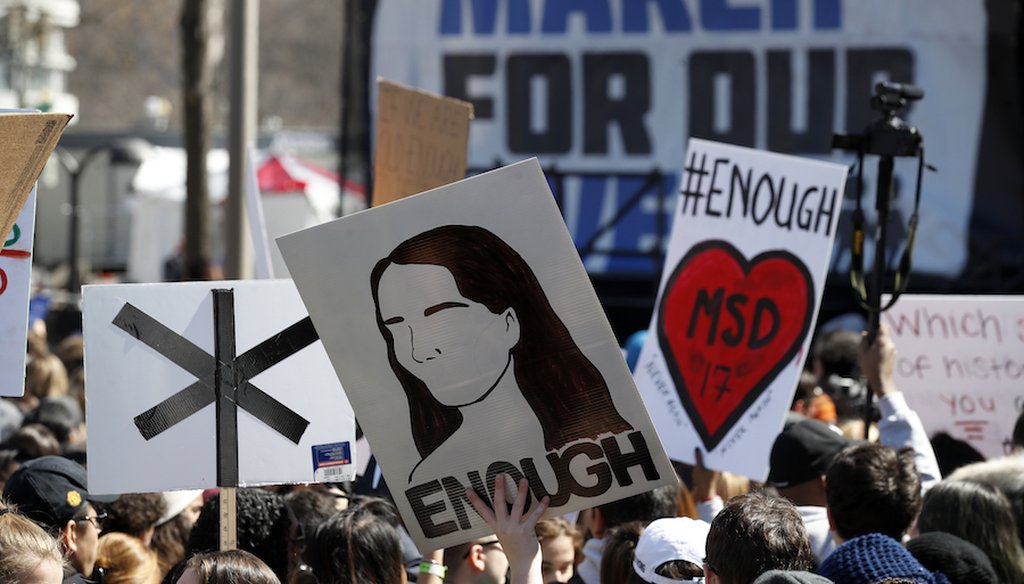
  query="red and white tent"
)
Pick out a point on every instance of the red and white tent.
point(283, 173)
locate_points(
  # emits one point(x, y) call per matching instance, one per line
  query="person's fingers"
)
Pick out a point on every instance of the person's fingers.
point(520, 502)
point(536, 510)
point(481, 507)
point(698, 458)
point(500, 501)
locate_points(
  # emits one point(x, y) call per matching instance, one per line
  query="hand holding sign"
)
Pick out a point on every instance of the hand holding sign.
point(514, 528)
point(878, 360)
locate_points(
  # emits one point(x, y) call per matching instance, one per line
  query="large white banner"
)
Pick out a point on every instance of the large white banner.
point(739, 295)
point(617, 86)
point(961, 365)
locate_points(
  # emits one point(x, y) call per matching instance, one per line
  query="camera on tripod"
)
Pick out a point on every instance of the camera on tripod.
point(889, 135)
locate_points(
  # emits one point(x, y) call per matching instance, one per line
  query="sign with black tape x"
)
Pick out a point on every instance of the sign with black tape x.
point(159, 355)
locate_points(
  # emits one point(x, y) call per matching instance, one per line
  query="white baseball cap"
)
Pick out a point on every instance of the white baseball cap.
point(666, 540)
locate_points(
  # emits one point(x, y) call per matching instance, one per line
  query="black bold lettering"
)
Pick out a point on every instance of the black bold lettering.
point(711, 306)
point(738, 67)
point(601, 109)
point(622, 462)
point(819, 104)
point(712, 190)
point(733, 337)
point(457, 71)
point(520, 70)
point(540, 490)
point(456, 493)
point(502, 467)
point(764, 305)
point(765, 179)
point(826, 210)
point(600, 470)
point(424, 513)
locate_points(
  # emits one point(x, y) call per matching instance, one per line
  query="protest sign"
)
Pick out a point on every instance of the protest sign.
point(743, 277)
point(26, 141)
point(157, 355)
point(960, 364)
point(421, 141)
point(15, 289)
point(471, 344)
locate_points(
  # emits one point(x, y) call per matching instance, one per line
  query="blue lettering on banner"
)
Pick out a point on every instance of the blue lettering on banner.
point(714, 15)
point(674, 16)
point(597, 12)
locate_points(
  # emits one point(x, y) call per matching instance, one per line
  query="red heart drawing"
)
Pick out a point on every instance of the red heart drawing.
point(727, 327)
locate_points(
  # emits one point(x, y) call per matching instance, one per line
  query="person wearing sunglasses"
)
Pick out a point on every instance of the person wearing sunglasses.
point(51, 490)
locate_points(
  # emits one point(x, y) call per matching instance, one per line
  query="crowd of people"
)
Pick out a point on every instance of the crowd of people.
point(900, 507)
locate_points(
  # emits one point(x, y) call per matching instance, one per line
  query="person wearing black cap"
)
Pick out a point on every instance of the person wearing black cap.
point(804, 450)
point(51, 491)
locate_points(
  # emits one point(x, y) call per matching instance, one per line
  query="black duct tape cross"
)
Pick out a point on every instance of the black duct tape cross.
point(223, 378)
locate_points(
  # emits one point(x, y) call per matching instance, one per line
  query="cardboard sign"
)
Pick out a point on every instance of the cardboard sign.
point(744, 273)
point(206, 384)
point(960, 363)
point(26, 141)
point(471, 344)
point(15, 290)
point(421, 141)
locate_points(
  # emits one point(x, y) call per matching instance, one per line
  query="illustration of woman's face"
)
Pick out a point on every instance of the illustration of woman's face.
point(457, 347)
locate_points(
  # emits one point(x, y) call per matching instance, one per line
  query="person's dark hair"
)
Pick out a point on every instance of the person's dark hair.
point(380, 507)
point(231, 567)
point(645, 507)
point(871, 488)
point(262, 521)
point(174, 573)
point(32, 441)
point(805, 387)
point(133, 513)
point(310, 506)
point(1017, 438)
point(679, 570)
point(562, 386)
point(980, 514)
point(355, 546)
point(619, 551)
point(1007, 475)
point(837, 351)
point(755, 533)
point(169, 541)
point(61, 415)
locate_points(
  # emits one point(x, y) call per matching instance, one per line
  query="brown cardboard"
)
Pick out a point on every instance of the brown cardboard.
point(421, 141)
point(26, 142)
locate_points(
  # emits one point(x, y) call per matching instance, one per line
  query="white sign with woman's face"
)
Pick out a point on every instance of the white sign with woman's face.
point(471, 344)
point(421, 305)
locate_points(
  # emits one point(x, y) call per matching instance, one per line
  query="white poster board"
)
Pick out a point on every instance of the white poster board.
point(15, 290)
point(960, 364)
point(471, 343)
point(739, 294)
point(153, 383)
